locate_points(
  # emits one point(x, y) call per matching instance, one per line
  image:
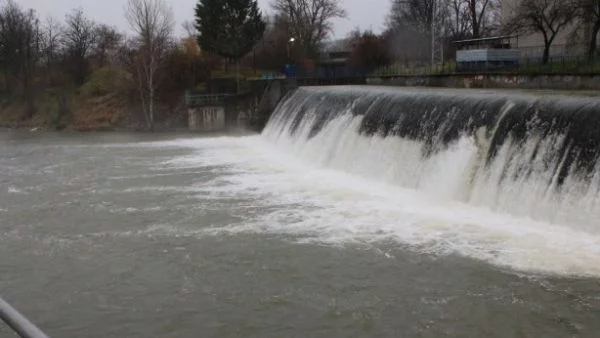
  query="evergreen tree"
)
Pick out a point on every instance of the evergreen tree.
point(229, 28)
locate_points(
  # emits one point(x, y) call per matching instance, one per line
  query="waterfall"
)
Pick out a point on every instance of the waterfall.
point(527, 155)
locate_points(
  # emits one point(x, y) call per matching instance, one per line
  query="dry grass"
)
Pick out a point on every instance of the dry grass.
point(99, 113)
point(14, 114)
point(105, 112)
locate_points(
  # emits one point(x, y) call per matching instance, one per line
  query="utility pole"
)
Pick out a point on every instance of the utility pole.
point(433, 19)
point(434, 15)
point(437, 38)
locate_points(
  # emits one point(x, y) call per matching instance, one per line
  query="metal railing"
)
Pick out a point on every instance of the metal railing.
point(557, 65)
point(16, 321)
point(198, 100)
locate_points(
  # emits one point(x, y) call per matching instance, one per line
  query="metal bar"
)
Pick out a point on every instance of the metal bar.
point(21, 325)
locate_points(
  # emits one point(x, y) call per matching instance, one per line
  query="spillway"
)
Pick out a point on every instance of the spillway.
point(522, 154)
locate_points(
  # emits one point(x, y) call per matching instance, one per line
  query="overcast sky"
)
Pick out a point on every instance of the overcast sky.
point(366, 14)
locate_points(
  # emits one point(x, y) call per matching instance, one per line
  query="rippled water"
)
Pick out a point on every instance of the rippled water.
point(117, 235)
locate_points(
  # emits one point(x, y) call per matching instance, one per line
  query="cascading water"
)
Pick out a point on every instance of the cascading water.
point(517, 154)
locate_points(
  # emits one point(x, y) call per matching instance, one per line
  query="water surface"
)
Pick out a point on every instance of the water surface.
point(116, 235)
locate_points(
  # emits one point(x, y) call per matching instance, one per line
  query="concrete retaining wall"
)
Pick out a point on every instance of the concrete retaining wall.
point(547, 81)
point(207, 119)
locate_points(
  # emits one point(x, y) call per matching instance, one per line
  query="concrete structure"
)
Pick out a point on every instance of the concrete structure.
point(333, 60)
point(207, 119)
point(487, 53)
point(214, 113)
point(491, 80)
point(230, 112)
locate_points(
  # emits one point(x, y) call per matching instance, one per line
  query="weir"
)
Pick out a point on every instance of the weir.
point(523, 154)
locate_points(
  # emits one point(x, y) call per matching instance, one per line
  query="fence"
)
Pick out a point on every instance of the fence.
point(198, 100)
point(556, 51)
point(528, 65)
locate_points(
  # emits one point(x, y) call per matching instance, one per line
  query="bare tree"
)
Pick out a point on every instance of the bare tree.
point(309, 21)
point(419, 15)
point(547, 17)
point(271, 52)
point(590, 15)
point(51, 37)
point(368, 52)
point(152, 20)
point(407, 45)
point(494, 18)
point(78, 37)
point(190, 28)
point(19, 47)
point(458, 18)
point(107, 41)
point(477, 11)
point(402, 15)
point(416, 27)
point(458, 23)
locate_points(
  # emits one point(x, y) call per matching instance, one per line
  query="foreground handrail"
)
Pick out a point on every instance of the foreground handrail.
point(21, 325)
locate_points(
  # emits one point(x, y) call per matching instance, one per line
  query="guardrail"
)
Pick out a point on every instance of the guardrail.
point(16, 321)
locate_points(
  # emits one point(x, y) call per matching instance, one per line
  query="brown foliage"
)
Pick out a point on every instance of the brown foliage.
point(369, 51)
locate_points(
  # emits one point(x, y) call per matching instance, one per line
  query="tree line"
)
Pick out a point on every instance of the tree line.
point(415, 20)
point(51, 56)
point(549, 18)
point(151, 65)
point(411, 25)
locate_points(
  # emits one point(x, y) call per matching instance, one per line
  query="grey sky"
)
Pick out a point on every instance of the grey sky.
point(361, 13)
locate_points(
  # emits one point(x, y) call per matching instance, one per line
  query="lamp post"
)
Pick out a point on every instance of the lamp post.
point(289, 68)
point(290, 42)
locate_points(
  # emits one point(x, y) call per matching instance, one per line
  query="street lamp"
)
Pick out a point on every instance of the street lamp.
point(289, 67)
point(290, 41)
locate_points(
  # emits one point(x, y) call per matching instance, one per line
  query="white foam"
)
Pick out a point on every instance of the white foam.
point(135, 210)
point(457, 173)
point(310, 202)
point(15, 190)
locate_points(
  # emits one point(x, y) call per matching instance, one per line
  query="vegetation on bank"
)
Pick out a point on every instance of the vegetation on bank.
point(79, 74)
point(82, 75)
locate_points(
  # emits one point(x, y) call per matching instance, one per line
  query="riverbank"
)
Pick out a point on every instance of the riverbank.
point(113, 112)
point(72, 112)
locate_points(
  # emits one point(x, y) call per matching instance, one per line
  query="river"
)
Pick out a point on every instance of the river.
point(117, 235)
